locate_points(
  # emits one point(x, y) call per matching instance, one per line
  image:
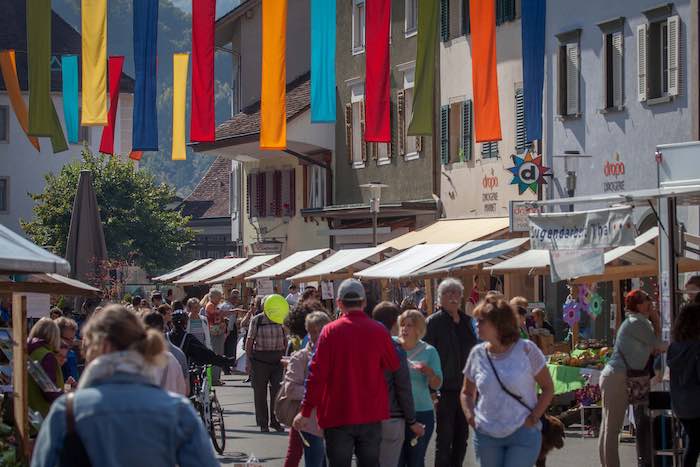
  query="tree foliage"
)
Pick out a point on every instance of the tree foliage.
point(137, 223)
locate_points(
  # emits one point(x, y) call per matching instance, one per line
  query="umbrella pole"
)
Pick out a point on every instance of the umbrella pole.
point(19, 371)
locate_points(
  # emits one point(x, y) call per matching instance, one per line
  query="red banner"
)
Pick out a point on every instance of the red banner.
point(377, 81)
point(202, 126)
point(115, 65)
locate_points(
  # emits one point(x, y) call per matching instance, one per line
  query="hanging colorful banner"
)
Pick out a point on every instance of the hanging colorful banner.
point(93, 22)
point(273, 107)
point(202, 126)
point(378, 72)
point(533, 29)
point(43, 119)
point(487, 116)
point(424, 89)
point(180, 62)
point(8, 65)
point(322, 61)
point(145, 120)
point(71, 110)
point(115, 65)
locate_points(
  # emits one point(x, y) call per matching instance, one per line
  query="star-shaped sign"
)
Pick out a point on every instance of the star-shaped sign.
point(528, 172)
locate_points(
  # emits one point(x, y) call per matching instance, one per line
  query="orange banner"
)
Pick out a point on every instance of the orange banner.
point(273, 109)
point(487, 116)
point(9, 74)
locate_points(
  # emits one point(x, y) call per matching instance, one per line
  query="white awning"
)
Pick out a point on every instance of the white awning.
point(338, 262)
point(182, 270)
point(641, 252)
point(17, 255)
point(451, 231)
point(685, 193)
point(406, 263)
point(289, 264)
point(209, 271)
point(48, 283)
point(253, 263)
point(527, 262)
point(487, 252)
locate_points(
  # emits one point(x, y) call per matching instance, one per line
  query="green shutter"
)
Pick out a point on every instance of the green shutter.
point(445, 20)
point(520, 141)
point(489, 150)
point(445, 134)
point(505, 11)
point(499, 12)
point(510, 10)
point(466, 27)
point(467, 125)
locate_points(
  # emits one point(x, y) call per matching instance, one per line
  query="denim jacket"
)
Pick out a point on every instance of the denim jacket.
point(126, 421)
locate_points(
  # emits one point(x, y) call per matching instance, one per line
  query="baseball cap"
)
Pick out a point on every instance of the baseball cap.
point(156, 294)
point(351, 290)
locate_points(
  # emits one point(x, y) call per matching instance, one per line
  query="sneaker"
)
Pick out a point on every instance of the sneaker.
point(264, 429)
point(247, 380)
point(278, 428)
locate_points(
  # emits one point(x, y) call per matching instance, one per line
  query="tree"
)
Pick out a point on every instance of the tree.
point(138, 225)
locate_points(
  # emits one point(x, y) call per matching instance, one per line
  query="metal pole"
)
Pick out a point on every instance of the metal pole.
point(374, 228)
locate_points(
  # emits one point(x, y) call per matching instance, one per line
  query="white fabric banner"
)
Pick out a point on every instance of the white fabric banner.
point(569, 264)
point(604, 228)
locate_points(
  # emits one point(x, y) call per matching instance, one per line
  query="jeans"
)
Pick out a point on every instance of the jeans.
point(230, 344)
point(315, 453)
point(452, 431)
point(692, 449)
point(414, 456)
point(393, 434)
point(363, 440)
point(263, 376)
point(217, 345)
point(519, 449)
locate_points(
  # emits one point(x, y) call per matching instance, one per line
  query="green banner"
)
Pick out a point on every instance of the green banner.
point(424, 89)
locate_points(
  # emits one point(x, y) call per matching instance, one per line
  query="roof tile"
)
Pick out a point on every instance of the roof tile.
point(211, 196)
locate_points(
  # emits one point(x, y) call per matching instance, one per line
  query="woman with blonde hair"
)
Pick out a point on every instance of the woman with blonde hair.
point(43, 345)
point(118, 405)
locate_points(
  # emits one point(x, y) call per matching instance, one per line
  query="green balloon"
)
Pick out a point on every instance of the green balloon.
point(276, 308)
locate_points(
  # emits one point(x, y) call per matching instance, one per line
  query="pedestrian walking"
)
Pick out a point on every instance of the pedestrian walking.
point(170, 376)
point(637, 338)
point(68, 329)
point(451, 332)
point(293, 295)
point(118, 416)
point(43, 345)
point(402, 413)
point(683, 360)
point(198, 325)
point(505, 370)
point(217, 330)
point(346, 382)
point(265, 348)
point(232, 325)
point(426, 376)
point(194, 350)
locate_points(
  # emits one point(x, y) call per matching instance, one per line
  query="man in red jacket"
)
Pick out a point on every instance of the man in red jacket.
point(346, 382)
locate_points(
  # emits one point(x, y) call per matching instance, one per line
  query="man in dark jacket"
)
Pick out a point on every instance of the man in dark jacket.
point(401, 408)
point(193, 349)
point(451, 332)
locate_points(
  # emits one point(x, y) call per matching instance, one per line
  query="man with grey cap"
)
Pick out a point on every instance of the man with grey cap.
point(346, 382)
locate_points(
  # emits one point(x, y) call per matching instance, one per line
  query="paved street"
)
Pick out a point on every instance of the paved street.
point(244, 438)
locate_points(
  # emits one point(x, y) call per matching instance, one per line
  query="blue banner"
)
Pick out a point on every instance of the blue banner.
point(145, 129)
point(322, 61)
point(69, 76)
point(533, 29)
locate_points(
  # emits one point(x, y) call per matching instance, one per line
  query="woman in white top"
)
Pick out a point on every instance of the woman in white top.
point(506, 415)
point(197, 325)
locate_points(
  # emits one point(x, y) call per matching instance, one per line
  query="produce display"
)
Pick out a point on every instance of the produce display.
point(588, 354)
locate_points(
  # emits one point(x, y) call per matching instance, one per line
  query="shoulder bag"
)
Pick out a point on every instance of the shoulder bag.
point(73, 453)
point(638, 383)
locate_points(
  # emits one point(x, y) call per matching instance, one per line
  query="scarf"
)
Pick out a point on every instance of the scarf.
point(105, 366)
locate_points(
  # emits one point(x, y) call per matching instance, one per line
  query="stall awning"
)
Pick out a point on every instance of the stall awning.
point(406, 263)
point(182, 270)
point(209, 271)
point(450, 231)
point(339, 263)
point(530, 262)
point(290, 264)
point(486, 253)
point(17, 255)
point(685, 194)
point(254, 263)
point(49, 283)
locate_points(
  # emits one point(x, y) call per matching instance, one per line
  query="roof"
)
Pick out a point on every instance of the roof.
point(289, 264)
point(209, 271)
point(18, 255)
point(182, 270)
point(340, 261)
point(65, 40)
point(211, 196)
point(406, 263)
point(451, 231)
point(253, 264)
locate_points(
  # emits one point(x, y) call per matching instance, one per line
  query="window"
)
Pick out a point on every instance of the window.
point(271, 193)
point(316, 189)
point(505, 11)
point(658, 59)
point(355, 127)
point(520, 137)
point(411, 23)
point(358, 26)
point(489, 150)
point(4, 124)
point(613, 70)
point(454, 19)
point(4, 194)
point(569, 74)
point(456, 130)
point(408, 146)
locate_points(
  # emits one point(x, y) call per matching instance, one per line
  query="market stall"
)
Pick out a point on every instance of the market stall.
point(341, 264)
point(287, 267)
point(182, 270)
point(209, 271)
point(252, 265)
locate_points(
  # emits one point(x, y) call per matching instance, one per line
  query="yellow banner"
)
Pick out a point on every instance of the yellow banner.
point(180, 63)
point(9, 74)
point(94, 58)
point(273, 113)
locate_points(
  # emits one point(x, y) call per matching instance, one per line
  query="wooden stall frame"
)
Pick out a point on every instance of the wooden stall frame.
point(19, 372)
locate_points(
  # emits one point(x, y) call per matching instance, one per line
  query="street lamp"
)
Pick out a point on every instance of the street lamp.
point(375, 196)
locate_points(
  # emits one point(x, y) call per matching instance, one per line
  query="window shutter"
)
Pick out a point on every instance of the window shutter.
point(509, 14)
point(444, 20)
point(674, 25)
point(467, 129)
point(249, 194)
point(642, 62)
point(262, 191)
point(373, 149)
point(401, 122)
point(519, 121)
point(572, 77)
point(348, 130)
point(393, 117)
point(362, 131)
point(466, 23)
point(419, 143)
point(617, 70)
point(445, 134)
point(499, 12)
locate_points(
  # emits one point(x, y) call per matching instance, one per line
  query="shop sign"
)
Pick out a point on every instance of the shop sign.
point(517, 213)
point(602, 228)
point(489, 198)
point(265, 287)
point(266, 248)
point(528, 172)
point(613, 173)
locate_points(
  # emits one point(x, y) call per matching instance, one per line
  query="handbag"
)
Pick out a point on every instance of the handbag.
point(285, 408)
point(73, 453)
point(638, 384)
point(543, 419)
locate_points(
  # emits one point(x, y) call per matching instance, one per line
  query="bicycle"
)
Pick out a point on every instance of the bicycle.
point(207, 405)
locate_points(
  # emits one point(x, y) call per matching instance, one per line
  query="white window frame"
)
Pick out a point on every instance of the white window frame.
point(356, 5)
point(669, 32)
point(409, 81)
point(317, 180)
point(617, 71)
point(6, 179)
point(410, 31)
point(357, 96)
point(5, 109)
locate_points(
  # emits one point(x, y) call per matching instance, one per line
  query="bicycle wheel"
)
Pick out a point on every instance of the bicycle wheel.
point(217, 431)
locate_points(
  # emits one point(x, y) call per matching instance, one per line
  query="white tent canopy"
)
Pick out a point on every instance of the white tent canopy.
point(209, 271)
point(524, 262)
point(289, 264)
point(487, 252)
point(406, 263)
point(182, 270)
point(338, 262)
point(251, 264)
point(17, 255)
